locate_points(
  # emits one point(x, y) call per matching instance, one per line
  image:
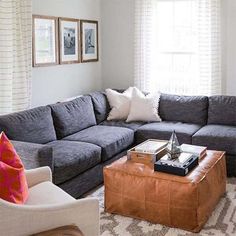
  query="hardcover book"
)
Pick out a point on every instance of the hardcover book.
point(194, 149)
point(151, 146)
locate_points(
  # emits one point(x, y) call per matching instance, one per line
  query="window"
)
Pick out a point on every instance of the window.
point(176, 55)
point(177, 46)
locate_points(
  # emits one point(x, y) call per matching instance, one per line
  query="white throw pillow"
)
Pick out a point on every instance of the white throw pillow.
point(119, 103)
point(144, 108)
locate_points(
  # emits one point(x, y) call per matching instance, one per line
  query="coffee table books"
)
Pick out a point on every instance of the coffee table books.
point(148, 152)
point(194, 149)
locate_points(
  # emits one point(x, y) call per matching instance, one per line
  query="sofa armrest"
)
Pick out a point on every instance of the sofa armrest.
point(34, 155)
point(39, 175)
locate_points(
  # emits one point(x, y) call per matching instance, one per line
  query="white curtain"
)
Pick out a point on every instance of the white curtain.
point(15, 55)
point(144, 10)
point(178, 46)
point(209, 22)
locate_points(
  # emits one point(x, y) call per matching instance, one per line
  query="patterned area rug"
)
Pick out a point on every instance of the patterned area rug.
point(221, 223)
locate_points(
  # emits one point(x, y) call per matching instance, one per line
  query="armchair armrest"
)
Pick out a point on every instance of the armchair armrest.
point(39, 175)
point(34, 155)
point(29, 220)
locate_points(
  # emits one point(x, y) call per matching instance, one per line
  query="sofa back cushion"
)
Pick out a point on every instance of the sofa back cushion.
point(187, 109)
point(101, 106)
point(222, 110)
point(73, 116)
point(34, 125)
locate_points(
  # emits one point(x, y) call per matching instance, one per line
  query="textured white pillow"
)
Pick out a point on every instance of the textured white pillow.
point(119, 103)
point(144, 108)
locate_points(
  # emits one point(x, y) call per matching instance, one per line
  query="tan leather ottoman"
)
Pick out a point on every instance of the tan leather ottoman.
point(135, 190)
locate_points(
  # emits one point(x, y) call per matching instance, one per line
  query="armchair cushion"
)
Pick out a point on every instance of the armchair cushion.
point(47, 193)
point(13, 182)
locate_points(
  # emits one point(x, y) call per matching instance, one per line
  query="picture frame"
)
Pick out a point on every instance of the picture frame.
point(44, 40)
point(89, 41)
point(69, 32)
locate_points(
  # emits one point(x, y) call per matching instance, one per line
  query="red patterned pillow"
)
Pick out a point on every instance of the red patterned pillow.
point(13, 185)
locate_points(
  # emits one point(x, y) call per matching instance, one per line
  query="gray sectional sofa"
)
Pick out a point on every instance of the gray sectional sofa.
point(76, 141)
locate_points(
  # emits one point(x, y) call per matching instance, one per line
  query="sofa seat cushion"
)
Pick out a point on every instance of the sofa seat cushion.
point(34, 125)
point(112, 140)
point(217, 137)
point(163, 130)
point(73, 116)
point(47, 193)
point(73, 158)
point(131, 125)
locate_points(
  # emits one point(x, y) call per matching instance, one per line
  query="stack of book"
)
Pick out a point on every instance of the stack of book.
point(150, 146)
point(199, 151)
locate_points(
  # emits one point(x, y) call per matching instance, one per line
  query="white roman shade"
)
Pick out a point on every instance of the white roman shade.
point(15, 55)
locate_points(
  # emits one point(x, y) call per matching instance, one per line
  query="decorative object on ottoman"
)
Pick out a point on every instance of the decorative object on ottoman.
point(70, 230)
point(173, 147)
point(135, 190)
point(13, 184)
point(181, 166)
point(148, 152)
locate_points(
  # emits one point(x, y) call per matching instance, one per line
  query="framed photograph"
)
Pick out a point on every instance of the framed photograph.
point(89, 40)
point(45, 40)
point(69, 40)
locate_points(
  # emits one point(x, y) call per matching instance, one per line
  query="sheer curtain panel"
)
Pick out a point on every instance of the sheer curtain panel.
point(15, 55)
point(177, 46)
point(143, 48)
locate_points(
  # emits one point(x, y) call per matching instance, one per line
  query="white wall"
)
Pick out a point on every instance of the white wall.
point(117, 43)
point(51, 84)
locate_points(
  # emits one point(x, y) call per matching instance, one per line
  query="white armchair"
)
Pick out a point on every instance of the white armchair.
point(48, 207)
